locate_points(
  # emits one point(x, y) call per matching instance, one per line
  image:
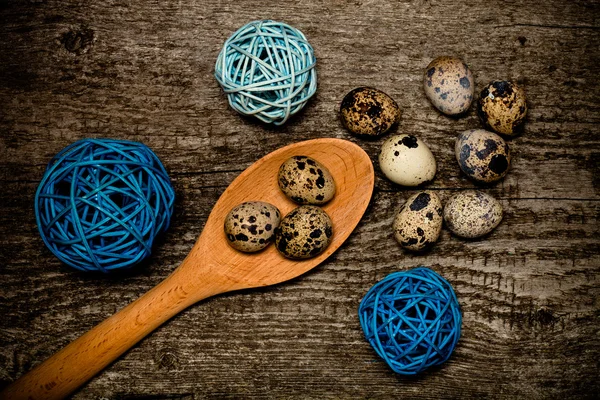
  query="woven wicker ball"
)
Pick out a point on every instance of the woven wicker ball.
point(267, 69)
point(412, 319)
point(102, 202)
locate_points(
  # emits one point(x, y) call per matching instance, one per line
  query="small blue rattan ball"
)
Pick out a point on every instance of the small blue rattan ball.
point(267, 69)
point(102, 202)
point(412, 319)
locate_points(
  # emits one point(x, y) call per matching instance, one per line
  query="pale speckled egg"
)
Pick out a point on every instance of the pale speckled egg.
point(502, 107)
point(304, 233)
point(472, 214)
point(419, 222)
point(250, 226)
point(483, 156)
point(449, 85)
point(369, 112)
point(306, 181)
point(406, 160)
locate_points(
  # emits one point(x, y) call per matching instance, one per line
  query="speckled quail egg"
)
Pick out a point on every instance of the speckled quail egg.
point(502, 107)
point(406, 160)
point(369, 112)
point(482, 155)
point(472, 214)
point(304, 233)
point(419, 222)
point(250, 226)
point(306, 181)
point(449, 85)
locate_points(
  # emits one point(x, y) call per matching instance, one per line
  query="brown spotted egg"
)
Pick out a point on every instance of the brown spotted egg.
point(419, 222)
point(449, 85)
point(406, 160)
point(472, 214)
point(250, 226)
point(483, 156)
point(369, 112)
point(502, 107)
point(304, 233)
point(306, 181)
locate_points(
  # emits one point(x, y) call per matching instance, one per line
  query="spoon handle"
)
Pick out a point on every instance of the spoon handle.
point(83, 358)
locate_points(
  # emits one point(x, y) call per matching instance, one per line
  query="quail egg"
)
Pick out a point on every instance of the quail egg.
point(419, 222)
point(472, 214)
point(304, 233)
point(369, 112)
point(406, 160)
point(502, 107)
point(250, 226)
point(482, 155)
point(306, 181)
point(449, 85)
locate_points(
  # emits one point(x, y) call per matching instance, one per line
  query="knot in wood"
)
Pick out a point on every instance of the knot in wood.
point(78, 41)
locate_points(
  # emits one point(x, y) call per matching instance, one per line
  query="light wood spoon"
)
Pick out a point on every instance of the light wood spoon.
point(212, 266)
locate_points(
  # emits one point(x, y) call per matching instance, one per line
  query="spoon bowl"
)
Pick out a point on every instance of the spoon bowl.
point(212, 266)
point(353, 174)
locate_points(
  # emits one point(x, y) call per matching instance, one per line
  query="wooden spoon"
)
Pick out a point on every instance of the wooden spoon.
point(212, 266)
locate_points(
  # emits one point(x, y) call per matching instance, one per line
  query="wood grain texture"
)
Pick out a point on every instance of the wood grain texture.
point(212, 267)
point(142, 70)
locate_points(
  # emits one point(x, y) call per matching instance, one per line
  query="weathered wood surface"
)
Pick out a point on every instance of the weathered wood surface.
point(143, 71)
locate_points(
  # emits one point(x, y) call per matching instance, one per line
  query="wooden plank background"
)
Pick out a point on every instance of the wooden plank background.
point(143, 70)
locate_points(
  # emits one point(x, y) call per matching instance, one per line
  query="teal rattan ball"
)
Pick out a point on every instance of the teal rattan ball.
point(412, 319)
point(102, 202)
point(267, 69)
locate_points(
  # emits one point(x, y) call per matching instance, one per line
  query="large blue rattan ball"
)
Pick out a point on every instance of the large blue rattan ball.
point(267, 69)
point(412, 319)
point(102, 202)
